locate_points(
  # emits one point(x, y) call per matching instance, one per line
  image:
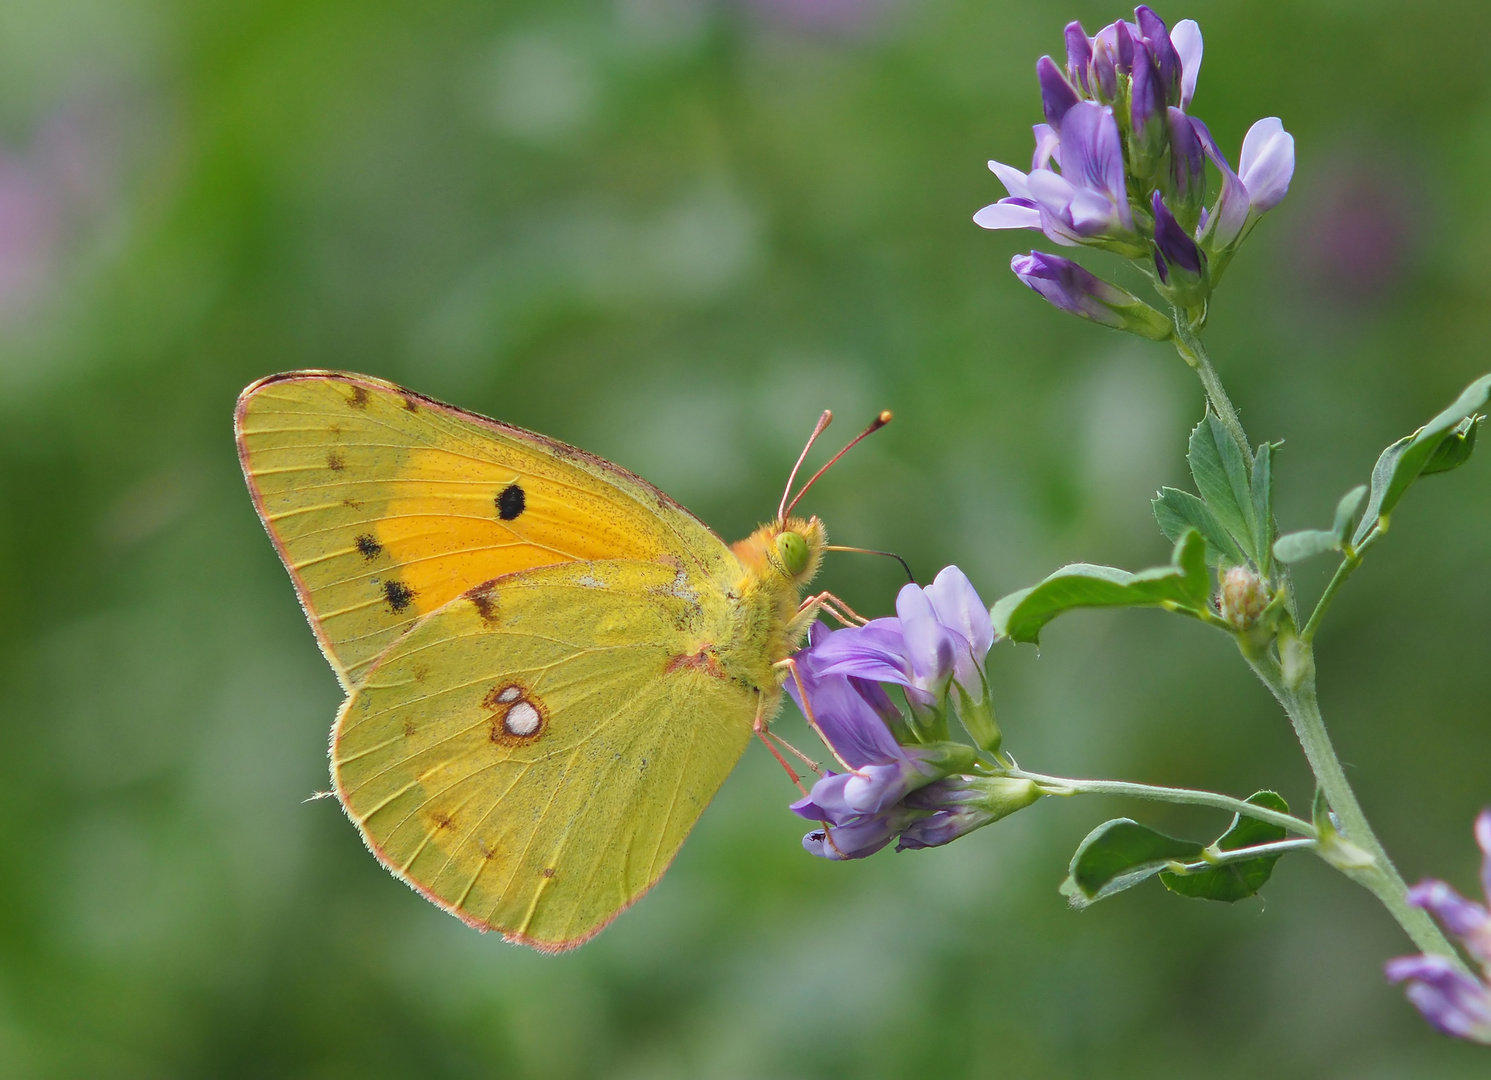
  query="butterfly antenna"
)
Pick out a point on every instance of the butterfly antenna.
point(875, 425)
point(870, 551)
point(818, 429)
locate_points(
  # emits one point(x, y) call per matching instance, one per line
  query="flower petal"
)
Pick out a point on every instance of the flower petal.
point(958, 607)
point(1012, 178)
point(1008, 214)
point(1452, 1001)
point(1267, 163)
point(1230, 213)
point(1461, 917)
point(1483, 838)
point(1057, 95)
point(1186, 37)
point(1047, 147)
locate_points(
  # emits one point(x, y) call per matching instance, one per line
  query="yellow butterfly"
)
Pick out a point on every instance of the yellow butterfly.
point(550, 665)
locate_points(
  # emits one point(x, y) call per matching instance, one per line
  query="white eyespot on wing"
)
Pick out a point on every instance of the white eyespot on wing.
point(512, 693)
point(521, 719)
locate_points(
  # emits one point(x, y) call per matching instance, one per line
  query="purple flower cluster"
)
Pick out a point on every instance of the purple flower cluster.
point(1120, 165)
point(903, 777)
point(1456, 1003)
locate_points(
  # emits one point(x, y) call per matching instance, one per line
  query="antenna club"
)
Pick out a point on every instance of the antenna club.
point(883, 419)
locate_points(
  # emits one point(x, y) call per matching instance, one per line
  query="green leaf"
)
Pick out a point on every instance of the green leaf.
point(1240, 880)
point(1263, 506)
point(1346, 511)
point(1292, 547)
point(1177, 511)
point(1222, 478)
point(1183, 584)
point(1405, 461)
point(1456, 448)
point(1118, 855)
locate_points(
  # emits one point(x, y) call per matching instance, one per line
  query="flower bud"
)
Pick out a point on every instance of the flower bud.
point(1146, 116)
point(1072, 288)
point(1166, 59)
point(1187, 173)
point(1104, 72)
point(1181, 266)
point(1244, 597)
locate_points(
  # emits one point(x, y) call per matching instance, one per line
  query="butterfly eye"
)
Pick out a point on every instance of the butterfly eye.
point(793, 550)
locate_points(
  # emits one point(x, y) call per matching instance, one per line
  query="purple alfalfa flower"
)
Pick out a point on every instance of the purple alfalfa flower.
point(1071, 288)
point(1087, 202)
point(1179, 262)
point(1261, 182)
point(959, 804)
point(935, 647)
point(856, 718)
point(1454, 1001)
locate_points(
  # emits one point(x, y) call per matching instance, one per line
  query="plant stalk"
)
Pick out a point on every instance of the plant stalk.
point(1063, 785)
point(1194, 353)
point(1294, 687)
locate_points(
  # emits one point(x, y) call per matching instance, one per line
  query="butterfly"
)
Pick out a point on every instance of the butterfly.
point(550, 665)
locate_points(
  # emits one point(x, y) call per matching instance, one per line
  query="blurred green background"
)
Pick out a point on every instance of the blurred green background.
point(671, 231)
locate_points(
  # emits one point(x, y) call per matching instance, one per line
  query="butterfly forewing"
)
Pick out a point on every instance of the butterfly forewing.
point(385, 505)
point(532, 755)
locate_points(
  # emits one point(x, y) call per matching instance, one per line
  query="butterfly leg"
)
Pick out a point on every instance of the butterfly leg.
point(790, 665)
point(827, 601)
point(762, 733)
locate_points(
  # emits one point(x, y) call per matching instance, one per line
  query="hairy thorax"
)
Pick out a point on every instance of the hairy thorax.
point(765, 600)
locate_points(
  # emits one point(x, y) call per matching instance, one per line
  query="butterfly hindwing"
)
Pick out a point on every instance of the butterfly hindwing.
point(386, 505)
point(532, 755)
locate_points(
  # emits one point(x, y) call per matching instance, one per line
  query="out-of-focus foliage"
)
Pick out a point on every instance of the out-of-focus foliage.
point(671, 231)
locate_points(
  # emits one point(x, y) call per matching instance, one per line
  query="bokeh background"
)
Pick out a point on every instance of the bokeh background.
point(671, 231)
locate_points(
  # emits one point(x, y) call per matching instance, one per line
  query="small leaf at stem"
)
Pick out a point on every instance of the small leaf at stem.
point(1222, 478)
point(1239, 880)
point(1407, 459)
point(1456, 448)
point(1292, 547)
point(1183, 584)
point(1295, 546)
point(1118, 855)
point(1177, 511)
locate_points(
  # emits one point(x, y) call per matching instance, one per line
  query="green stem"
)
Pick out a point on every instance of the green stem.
point(1352, 558)
point(1243, 854)
point(1064, 785)
point(1194, 353)
point(1293, 684)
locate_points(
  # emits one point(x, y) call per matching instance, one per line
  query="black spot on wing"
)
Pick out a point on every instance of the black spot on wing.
point(510, 502)
point(369, 547)
point(398, 595)
point(335, 462)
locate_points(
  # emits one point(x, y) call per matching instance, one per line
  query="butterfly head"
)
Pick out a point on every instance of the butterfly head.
point(790, 551)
